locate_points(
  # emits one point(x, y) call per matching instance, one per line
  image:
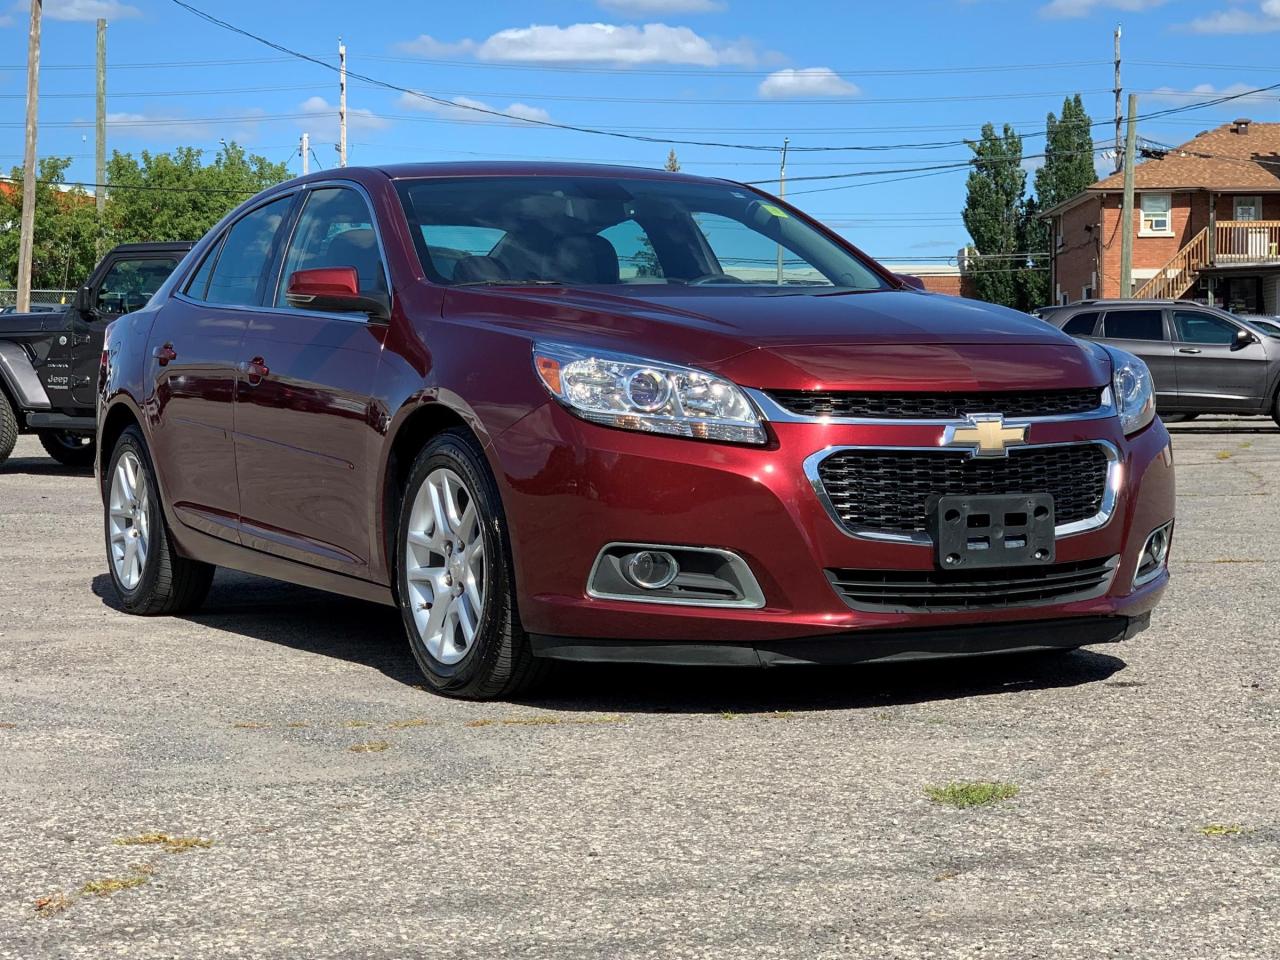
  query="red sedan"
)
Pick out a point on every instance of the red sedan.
point(602, 413)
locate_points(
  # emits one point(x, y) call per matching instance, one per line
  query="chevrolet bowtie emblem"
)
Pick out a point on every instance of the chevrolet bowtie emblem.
point(986, 435)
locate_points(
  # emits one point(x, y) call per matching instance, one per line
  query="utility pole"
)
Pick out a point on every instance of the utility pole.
point(1126, 215)
point(1118, 91)
point(305, 149)
point(27, 236)
point(100, 147)
point(782, 194)
point(342, 103)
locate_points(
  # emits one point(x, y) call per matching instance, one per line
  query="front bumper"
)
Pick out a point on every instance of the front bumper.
point(570, 487)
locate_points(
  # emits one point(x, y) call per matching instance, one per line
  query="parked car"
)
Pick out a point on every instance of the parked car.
point(598, 413)
point(1204, 360)
point(1268, 325)
point(49, 356)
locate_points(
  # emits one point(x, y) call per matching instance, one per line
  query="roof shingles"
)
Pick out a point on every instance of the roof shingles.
point(1220, 160)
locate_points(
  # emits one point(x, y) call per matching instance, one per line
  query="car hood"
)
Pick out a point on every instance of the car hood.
point(27, 324)
point(874, 340)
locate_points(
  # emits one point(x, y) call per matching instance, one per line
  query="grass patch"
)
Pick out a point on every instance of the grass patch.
point(170, 843)
point(1221, 829)
point(963, 794)
point(479, 723)
point(52, 905)
point(406, 724)
point(373, 746)
point(541, 721)
point(728, 715)
point(108, 885)
point(1235, 560)
point(249, 725)
point(1223, 454)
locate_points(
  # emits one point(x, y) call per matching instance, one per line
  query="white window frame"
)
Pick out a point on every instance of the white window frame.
point(1166, 215)
point(1254, 201)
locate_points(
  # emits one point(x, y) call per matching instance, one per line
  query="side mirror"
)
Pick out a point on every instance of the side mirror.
point(83, 302)
point(336, 289)
point(913, 282)
point(1243, 339)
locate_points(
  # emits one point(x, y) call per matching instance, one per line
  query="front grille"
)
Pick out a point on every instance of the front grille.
point(937, 406)
point(889, 490)
point(985, 589)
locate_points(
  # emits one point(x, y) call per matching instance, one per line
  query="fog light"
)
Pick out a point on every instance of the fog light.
point(1154, 556)
point(650, 569)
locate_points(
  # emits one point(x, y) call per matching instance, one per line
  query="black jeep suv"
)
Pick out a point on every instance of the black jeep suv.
point(49, 360)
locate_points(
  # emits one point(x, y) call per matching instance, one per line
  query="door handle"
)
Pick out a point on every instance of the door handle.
point(1190, 350)
point(254, 370)
point(164, 354)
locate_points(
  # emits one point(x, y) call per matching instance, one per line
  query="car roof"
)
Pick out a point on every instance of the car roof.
point(521, 168)
point(157, 246)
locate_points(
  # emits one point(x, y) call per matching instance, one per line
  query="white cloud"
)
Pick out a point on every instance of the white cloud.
point(89, 10)
point(6, 20)
point(611, 43)
point(430, 47)
point(460, 111)
point(646, 8)
point(322, 122)
point(1207, 91)
point(807, 82)
point(1066, 9)
point(1237, 20)
point(173, 128)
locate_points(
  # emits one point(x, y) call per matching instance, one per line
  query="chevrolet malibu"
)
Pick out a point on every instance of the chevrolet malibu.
point(599, 413)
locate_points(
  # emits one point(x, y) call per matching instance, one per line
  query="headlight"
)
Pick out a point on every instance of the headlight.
point(1133, 389)
point(637, 394)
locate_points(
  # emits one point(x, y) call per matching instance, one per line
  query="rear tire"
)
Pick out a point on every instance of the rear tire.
point(454, 576)
point(8, 428)
point(149, 575)
point(69, 449)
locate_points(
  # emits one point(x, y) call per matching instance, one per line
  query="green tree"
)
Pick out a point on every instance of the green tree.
point(174, 196)
point(1068, 155)
point(66, 229)
point(673, 162)
point(994, 214)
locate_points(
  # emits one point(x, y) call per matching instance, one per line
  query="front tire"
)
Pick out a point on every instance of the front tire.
point(8, 428)
point(149, 575)
point(69, 449)
point(454, 576)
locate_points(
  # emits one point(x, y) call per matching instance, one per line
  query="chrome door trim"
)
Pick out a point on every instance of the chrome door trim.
point(1115, 479)
point(775, 412)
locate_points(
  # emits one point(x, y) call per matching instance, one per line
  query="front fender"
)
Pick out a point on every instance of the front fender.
point(20, 380)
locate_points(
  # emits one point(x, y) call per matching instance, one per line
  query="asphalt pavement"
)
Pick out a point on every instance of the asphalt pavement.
point(267, 778)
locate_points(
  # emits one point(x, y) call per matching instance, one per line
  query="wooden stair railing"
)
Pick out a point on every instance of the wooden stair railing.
point(1176, 277)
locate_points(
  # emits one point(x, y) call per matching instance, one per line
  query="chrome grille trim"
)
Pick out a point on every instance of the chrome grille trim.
point(1115, 477)
point(776, 413)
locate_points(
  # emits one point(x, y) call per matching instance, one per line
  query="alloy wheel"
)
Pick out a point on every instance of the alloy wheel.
point(444, 565)
point(130, 520)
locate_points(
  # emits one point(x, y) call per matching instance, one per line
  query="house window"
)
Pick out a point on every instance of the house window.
point(1156, 221)
point(1247, 208)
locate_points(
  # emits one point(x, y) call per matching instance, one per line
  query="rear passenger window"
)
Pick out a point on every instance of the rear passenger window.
point(245, 253)
point(200, 282)
point(1081, 325)
point(1134, 325)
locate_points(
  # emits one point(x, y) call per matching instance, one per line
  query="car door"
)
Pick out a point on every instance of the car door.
point(193, 353)
point(1216, 371)
point(305, 427)
point(1143, 332)
point(126, 284)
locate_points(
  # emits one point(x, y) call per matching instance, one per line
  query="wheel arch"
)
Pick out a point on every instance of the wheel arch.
point(114, 421)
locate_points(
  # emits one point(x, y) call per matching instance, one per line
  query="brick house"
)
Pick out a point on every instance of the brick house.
point(1206, 225)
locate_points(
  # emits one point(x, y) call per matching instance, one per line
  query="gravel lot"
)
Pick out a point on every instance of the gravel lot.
point(633, 813)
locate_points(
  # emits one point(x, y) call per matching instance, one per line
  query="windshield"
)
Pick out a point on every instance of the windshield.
point(604, 231)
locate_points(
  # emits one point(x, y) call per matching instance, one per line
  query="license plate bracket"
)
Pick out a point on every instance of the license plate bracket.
point(1006, 530)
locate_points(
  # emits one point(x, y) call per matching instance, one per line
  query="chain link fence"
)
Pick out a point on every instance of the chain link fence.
point(9, 297)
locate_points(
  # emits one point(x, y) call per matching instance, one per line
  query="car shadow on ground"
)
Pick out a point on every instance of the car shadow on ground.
point(371, 635)
point(42, 467)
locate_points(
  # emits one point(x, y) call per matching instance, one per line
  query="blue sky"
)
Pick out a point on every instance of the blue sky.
point(730, 71)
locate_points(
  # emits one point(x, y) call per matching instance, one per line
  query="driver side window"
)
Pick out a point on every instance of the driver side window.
point(1192, 326)
point(129, 284)
point(335, 229)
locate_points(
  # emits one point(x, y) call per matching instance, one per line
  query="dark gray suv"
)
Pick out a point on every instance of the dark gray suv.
point(1203, 360)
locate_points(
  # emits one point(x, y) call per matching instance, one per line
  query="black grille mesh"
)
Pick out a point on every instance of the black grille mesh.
point(896, 590)
point(889, 489)
point(937, 406)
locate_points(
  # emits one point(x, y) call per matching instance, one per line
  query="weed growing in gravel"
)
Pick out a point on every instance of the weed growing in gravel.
point(8, 726)
point(171, 844)
point(1221, 829)
point(962, 795)
point(1223, 454)
point(249, 725)
point(479, 723)
point(373, 746)
point(405, 724)
point(53, 904)
point(139, 874)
